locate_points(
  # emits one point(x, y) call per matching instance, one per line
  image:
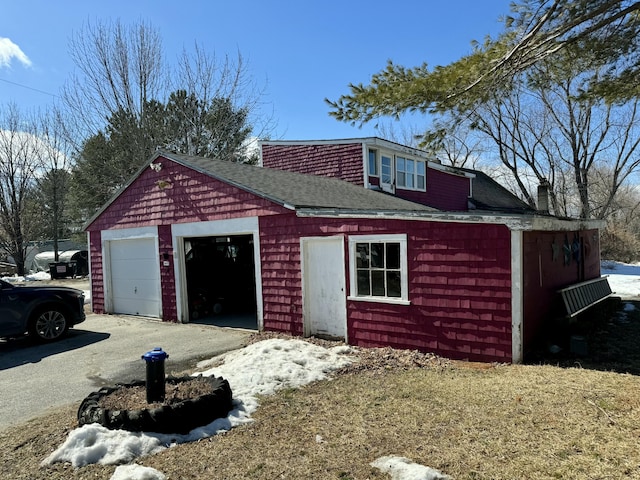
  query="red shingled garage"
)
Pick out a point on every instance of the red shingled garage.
point(310, 255)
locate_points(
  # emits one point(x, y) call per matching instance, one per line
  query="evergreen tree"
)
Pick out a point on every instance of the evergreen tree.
point(555, 93)
point(608, 30)
point(185, 125)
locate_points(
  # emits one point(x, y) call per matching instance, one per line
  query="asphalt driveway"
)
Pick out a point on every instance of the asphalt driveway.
point(103, 350)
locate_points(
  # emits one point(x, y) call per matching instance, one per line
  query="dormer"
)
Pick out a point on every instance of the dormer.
point(377, 164)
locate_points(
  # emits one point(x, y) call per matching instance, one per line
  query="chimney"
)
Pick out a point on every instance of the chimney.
point(543, 197)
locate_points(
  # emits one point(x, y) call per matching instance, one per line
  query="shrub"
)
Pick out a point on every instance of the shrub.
point(618, 243)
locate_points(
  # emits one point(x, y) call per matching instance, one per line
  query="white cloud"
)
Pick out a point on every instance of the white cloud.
point(35, 147)
point(9, 51)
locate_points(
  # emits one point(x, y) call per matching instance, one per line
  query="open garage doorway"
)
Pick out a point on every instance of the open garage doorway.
point(221, 280)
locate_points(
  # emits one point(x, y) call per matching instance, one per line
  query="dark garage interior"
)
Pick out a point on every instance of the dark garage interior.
point(221, 284)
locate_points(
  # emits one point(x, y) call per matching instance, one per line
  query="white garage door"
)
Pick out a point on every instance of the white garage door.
point(135, 277)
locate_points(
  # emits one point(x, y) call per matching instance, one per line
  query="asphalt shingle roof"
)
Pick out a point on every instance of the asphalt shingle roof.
point(298, 190)
point(488, 194)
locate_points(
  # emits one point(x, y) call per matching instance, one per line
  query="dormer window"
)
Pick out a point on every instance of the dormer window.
point(386, 169)
point(373, 163)
point(410, 173)
point(390, 171)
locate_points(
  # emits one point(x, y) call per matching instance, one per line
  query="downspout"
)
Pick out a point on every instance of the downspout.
point(517, 297)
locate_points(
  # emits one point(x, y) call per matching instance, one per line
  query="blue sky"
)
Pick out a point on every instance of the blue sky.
point(301, 51)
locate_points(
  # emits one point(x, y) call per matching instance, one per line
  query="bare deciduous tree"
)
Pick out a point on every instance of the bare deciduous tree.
point(34, 170)
point(53, 183)
point(131, 101)
point(20, 163)
point(544, 131)
point(119, 68)
point(454, 144)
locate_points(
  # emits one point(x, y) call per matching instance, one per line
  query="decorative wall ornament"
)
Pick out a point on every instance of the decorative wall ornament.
point(566, 248)
point(555, 250)
point(575, 249)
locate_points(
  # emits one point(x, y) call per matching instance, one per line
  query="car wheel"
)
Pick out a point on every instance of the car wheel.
point(48, 324)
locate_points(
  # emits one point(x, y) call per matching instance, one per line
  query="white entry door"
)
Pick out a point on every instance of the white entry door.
point(324, 283)
point(135, 277)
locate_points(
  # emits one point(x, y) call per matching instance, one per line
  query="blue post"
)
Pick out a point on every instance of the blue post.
point(155, 374)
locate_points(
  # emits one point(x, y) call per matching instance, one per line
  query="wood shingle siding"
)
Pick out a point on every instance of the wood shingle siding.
point(97, 274)
point(343, 161)
point(187, 196)
point(444, 192)
point(460, 291)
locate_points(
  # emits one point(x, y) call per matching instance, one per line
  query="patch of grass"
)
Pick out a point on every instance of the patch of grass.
point(542, 421)
point(500, 423)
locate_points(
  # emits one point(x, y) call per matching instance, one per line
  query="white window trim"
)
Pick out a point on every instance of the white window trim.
point(404, 274)
point(393, 156)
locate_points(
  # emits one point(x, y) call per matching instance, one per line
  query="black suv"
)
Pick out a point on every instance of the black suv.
point(45, 312)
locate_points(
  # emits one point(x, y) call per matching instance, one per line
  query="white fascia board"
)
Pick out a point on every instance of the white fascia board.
point(395, 147)
point(318, 142)
point(450, 170)
point(513, 222)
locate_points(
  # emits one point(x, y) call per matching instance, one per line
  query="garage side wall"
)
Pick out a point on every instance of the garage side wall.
point(551, 261)
point(281, 273)
point(459, 286)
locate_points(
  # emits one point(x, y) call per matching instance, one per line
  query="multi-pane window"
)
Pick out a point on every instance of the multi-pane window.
point(410, 173)
point(373, 163)
point(386, 169)
point(379, 268)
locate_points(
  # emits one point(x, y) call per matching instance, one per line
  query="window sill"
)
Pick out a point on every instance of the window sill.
point(392, 301)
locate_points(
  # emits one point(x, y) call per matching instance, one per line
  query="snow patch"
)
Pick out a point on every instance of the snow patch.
point(258, 369)
point(401, 468)
point(136, 472)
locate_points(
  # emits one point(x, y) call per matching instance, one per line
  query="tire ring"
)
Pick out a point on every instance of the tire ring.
point(180, 417)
